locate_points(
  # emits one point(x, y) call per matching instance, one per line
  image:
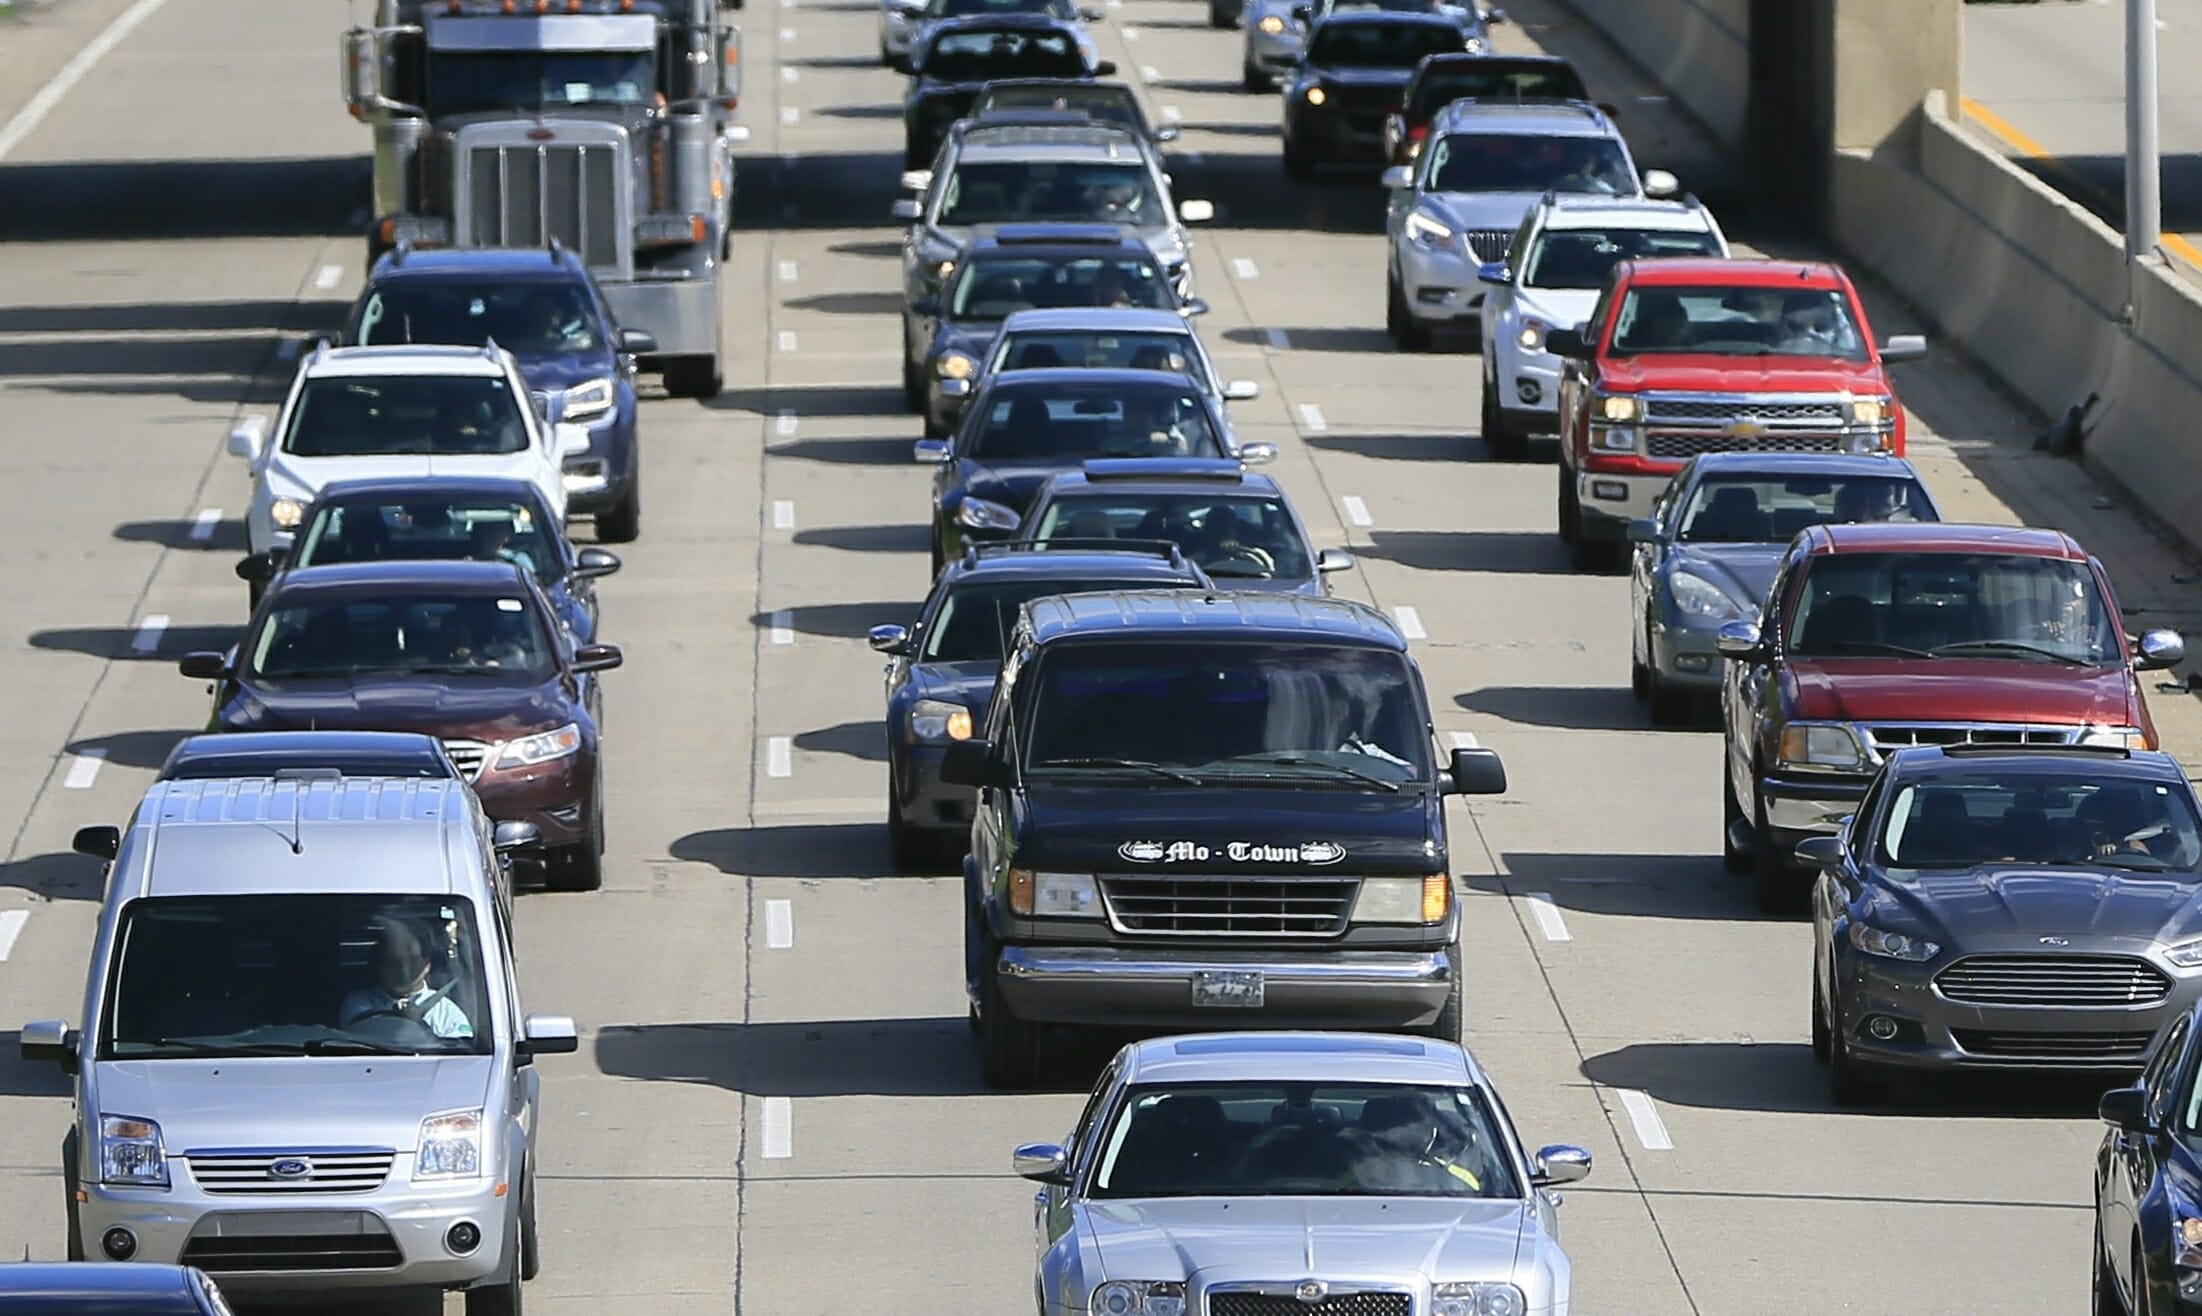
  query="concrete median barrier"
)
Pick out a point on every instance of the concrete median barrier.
point(1699, 50)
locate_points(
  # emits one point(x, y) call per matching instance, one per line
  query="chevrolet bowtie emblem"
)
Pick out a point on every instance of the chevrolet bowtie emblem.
point(1746, 428)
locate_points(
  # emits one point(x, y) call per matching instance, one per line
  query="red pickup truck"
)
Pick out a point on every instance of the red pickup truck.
point(1690, 355)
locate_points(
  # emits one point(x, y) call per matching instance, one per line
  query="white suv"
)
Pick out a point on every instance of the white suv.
point(1550, 279)
point(363, 413)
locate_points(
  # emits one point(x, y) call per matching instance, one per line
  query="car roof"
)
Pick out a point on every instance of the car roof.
point(1115, 88)
point(1569, 210)
point(233, 835)
point(1389, 18)
point(404, 359)
point(113, 1286)
point(1068, 141)
point(1489, 60)
point(532, 264)
point(1068, 240)
point(1078, 564)
point(461, 575)
point(1830, 464)
point(442, 488)
point(1940, 537)
point(1220, 476)
point(1541, 118)
point(1299, 1057)
point(1736, 271)
point(2044, 760)
point(1283, 618)
point(1098, 319)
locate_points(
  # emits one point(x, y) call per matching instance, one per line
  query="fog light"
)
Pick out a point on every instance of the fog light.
point(1609, 491)
point(1881, 1028)
point(1529, 391)
point(1432, 296)
point(462, 1238)
point(1693, 662)
point(119, 1244)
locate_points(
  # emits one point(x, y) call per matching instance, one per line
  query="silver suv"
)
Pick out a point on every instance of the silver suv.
point(303, 1065)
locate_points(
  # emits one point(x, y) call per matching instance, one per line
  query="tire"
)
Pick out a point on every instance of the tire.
point(1734, 860)
point(256, 591)
point(621, 523)
point(1564, 511)
point(1640, 675)
point(1009, 1047)
point(1822, 1032)
point(1446, 1027)
point(579, 866)
point(1774, 882)
point(913, 384)
point(906, 845)
point(1296, 164)
point(1254, 80)
point(1502, 441)
point(531, 1245)
point(2106, 1301)
point(1669, 707)
point(1405, 334)
point(503, 1299)
point(1217, 18)
point(940, 556)
point(74, 1248)
point(692, 377)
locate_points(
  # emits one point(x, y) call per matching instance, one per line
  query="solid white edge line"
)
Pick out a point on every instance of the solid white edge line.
point(1312, 417)
point(779, 924)
point(779, 757)
point(11, 927)
point(784, 426)
point(41, 104)
point(787, 340)
point(148, 636)
point(1410, 622)
point(783, 514)
point(202, 525)
point(1357, 512)
point(1466, 740)
point(1278, 340)
point(328, 276)
point(1243, 268)
point(1644, 1116)
point(84, 770)
point(779, 1134)
point(783, 627)
point(1548, 917)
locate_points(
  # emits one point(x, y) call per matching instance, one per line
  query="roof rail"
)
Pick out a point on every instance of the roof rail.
point(1162, 548)
point(557, 249)
point(401, 251)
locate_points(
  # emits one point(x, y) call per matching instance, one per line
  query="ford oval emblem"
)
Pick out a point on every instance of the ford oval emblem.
point(1311, 1291)
point(2054, 941)
point(290, 1167)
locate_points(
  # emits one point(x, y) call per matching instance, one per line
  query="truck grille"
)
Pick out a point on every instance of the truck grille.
point(2071, 982)
point(326, 1172)
point(1242, 1303)
point(468, 756)
point(523, 195)
point(1721, 411)
point(219, 1253)
point(2057, 1048)
point(1690, 445)
point(1489, 244)
point(1190, 906)
point(1894, 736)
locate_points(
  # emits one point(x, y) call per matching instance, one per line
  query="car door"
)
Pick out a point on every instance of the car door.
point(1645, 559)
point(1749, 689)
point(2131, 1184)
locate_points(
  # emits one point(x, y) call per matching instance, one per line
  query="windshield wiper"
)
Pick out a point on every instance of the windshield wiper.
point(1241, 570)
point(1342, 769)
point(1143, 765)
point(185, 1046)
point(2145, 863)
point(353, 1046)
point(2009, 646)
point(1879, 646)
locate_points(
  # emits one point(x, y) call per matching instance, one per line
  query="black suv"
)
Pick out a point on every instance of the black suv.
point(1200, 811)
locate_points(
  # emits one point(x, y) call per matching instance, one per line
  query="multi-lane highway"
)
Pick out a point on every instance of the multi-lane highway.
point(777, 1108)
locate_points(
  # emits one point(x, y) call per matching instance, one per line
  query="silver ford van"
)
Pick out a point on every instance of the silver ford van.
point(303, 1064)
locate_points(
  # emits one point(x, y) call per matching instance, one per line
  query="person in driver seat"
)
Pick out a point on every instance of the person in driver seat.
point(401, 986)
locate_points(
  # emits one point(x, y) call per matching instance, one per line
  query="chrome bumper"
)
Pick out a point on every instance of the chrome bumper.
point(1101, 985)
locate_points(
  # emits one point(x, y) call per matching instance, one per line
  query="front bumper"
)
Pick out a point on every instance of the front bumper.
point(601, 477)
point(1799, 809)
point(558, 797)
point(1529, 381)
point(1685, 651)
point(1610, 501)
point(1273, 53)
point(921, 798)
point(1151, 987)
point(1440, 287)
point(1339, 136)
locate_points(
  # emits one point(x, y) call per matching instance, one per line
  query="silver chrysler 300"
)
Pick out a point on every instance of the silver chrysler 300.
point(1278, 1174)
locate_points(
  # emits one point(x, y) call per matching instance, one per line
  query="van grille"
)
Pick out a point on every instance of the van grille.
point(525, 195)
point(2070, 982)
point(1903, 736)
point(468, 756)
point(326, 1172)
point(1185, 905)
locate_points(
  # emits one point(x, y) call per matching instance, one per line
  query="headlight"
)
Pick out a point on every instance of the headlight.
point(1054, 895)
point(1425, 231)
point(1271, 25)
point(1481, 1299)
point(1696, 596)
point(937, 719)
point(450, 1146)
point(944, 269)
point(979, 514)
point(1476, 45)
point(588, 401)
point(955, 365)
point(1132, 1297)
point(1825, 747)
point(1869, 411)
point(2187, 954)
point(2115, 737)
point(1614, 438)
point(1620, 408)
point(542, 747)
point(286, 513)
point(1891, 945)
point(1532, 334)
point(130, 1152)
point(2186, 1242)
point(1316, 96)
point(1403, 899)
point(1869, 442)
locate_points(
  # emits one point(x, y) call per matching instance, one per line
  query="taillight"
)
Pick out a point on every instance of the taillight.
point(1417, 131)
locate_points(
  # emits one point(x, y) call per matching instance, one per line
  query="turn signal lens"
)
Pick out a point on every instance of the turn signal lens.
point(1020, 891)
point(1437, 897)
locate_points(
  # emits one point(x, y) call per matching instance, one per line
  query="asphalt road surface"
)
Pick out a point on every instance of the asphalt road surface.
point(777, 1108)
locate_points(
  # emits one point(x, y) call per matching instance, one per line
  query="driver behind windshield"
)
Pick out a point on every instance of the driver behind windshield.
point(400, 988)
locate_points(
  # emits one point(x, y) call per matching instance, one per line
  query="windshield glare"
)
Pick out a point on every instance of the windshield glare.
point(1952, 605)
point(428, 530)
point(466, 82)
point(974, 620)
point(1000, 192)
point(996, 288)
point(297, 975)
point(479, 635)
point(1581, 258)
point(1097, 100)
point(1467, 162)
point(1774, 510)
point(1303, 1140)
point(1171, 353)
point(2039, 818)
point(1457, 83)
point(406, 415)
point(1249, 538)
point(1379, 45)
point(1063, 424)
point(1812, 322)
point(539, 317)
point(1283, 712)
point(978, 56)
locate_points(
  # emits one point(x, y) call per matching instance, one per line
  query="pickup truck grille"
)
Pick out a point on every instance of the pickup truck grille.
point(1489, 244)
point(2070, 982)
point(324, 1172)
point(1720, 411)
point(2076, 1049)
point(1242, 1303)
point(524, 194)
point(1894, 736)
point(1690, 445)
point(1678, 426)
point(1212, 906)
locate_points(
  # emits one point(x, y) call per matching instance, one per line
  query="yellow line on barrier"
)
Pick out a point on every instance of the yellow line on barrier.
point(2010, 135)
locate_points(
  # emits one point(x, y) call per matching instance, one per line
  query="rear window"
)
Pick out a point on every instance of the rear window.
point(1455, 82)
point(406, 415)
point(1581, 258)
point(1380, 45)
point(997, 287)
point(977, 56)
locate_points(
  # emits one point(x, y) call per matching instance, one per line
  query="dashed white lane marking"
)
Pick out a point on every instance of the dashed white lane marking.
point(786, 340)
point(1131, 34)
point(148, 637)
point(1243, 268)
point(287, 350)
point(1644, 1115)
point(779, 757)
point(790, 116)
point(1149, 73)
point(779, 924)
point(1357, 512)
point(84, 770)
point(784, 426)
point(1548, 917)
point(1466, 740)
point(1410, 622)
point(28, 118)
point(787, 34)
point(779, 1139)
point(326, 277)
point(1278, 340)
point(783, 514)
point(790, 73)
point(783, 627)
point(1311, 416)
point(11, 927)
point(788, 271)
point(1172, 114)
point(202, 525)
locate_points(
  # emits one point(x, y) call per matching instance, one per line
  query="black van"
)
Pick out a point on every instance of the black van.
point(1208, 810)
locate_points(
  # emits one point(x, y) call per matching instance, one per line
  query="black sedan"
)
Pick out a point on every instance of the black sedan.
point(2148, 1182)
point(445, 518)
point(1029, 424)
point(1998, 907)
point(1103, 102)
point(1352, 79)
point(962, 55)
point(107, 1288)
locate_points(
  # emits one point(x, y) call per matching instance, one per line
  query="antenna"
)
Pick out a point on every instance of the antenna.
point(298, 806)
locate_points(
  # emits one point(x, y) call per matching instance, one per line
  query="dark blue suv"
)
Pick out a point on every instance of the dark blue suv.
point(540, 304)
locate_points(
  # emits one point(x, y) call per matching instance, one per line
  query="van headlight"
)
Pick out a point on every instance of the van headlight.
point(130, 1152)
point(2115, 737)
point(1054, 895)
point(1477, 1299)
point(541, 747)
point(588, 401)
point(450, 1146)
point(1820, 747)
point(1133, 1297)
point(1424, 899)
point(937, 719)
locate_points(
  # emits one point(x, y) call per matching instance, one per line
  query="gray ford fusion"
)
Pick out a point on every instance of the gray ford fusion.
point(1250, 1173)
point(2001, 906)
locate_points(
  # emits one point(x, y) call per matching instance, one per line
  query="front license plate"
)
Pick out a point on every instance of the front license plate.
point(1231, 989)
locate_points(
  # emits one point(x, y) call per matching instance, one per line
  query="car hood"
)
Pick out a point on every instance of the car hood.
point(457, 707)
point(562, 370)
point(2090, 908)
point(312, 473)
point(970, 684)
point(1562, 308)
point(1745, 572)
point(280, 1104)
point(1131, 823)
point(1702, 373)
point(1482, 210)
point(1214, 1240)
point(1958, 690)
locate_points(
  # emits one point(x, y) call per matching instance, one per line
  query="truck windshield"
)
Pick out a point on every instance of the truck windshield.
point(994, 288)
point(486, 636)
point(1773, 509)
point(1304, 1140)
point(269, 974)
point(1952, 605)
point(974, 619)
point(1291, 714)
point(405, 415)
point(1581, 258)
point(1502, 162)
point(537, 317)
point(468, 82)
point(2041, 818)
point(1241, 537)
point(1810, 322)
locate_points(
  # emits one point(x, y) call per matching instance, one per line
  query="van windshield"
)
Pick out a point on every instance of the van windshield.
point(1293, 714)
point(283, 975)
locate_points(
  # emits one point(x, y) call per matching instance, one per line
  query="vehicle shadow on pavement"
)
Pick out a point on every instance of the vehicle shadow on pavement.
point(25, 1078)
point(1782, 1078)
point(841, 621)
point(228, 536)
point(849, 452)
point(1525, 552)
point(880, 249)
point(119, 641)
point(867, 538)
point(1573, 707)
point(849, 189)
point(1669, 886)
point(236, 356)
point(1251, 192)
point(824, 850)
point(862, 1057)
point(131, 749)
point(1318, 338)
point(94, 200)
point(182, 317)
point(832, 61)
point(56, 876)
point(1437, 446)
point(861, 740)
point(818, 400)
point(848, 303)
point(860, 112)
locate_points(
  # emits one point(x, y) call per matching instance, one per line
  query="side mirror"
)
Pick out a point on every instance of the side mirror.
point(1643, 530)
point(1302, 13)
point(1192, 306)
point(1166, 133)
point(1558, 1165)
point(1257, 454)
point(1495, 272)
point(597, 657)
point(2159, 649)
point(591, 562)
point(1740, 641)
point(728, 49)
point(1567, 343)
point(1904, 347)
point(1105, 69)
point(894, 640)
point(968, 763)
point(514, 835)
point(905, 208)
point(1820, 852)
point(1660, 183)
point(1091, 14)
point(1333, 559)
point(954, 388)
point(2124, 1109)
point(1499, 16)
point(204, 666)
point(925, 307)
point(637, 342)
point(101, 842)
point(1196, 211)
point(1397, 177)
point(929, 452)
point(245, 439)
point(1241, 390)
point(1042, 1162)
point(260, 568)
point(50, 1041)
point(551, 1034)
point(1478, 772)
point(916, 180)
